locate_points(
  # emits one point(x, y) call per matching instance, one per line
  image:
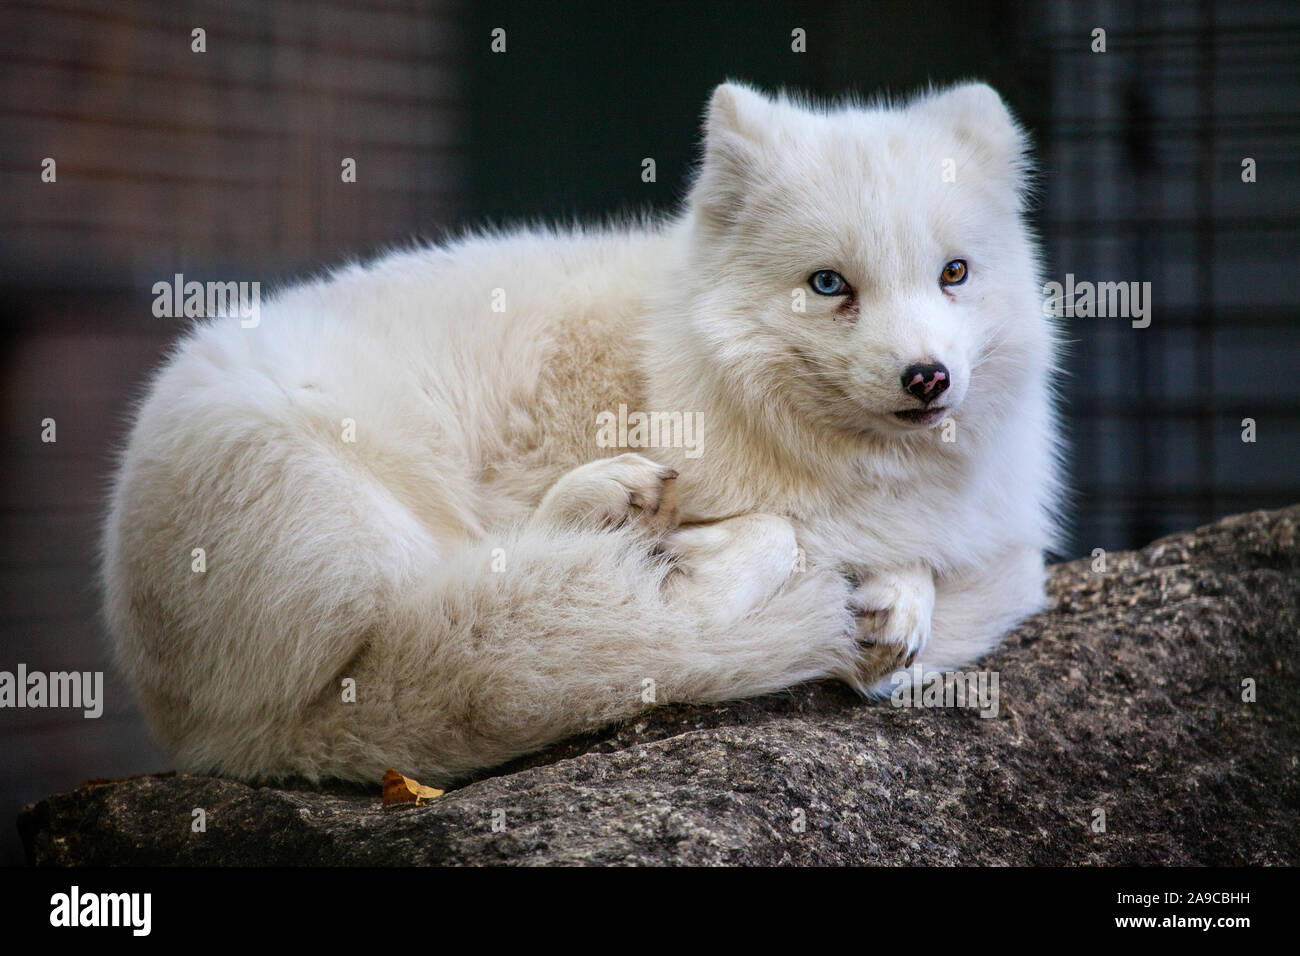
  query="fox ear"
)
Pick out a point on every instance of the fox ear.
point(737, 124)
point(982, 122)
point(737, 110)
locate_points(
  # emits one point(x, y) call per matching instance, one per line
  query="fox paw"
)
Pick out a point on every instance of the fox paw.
point(611, 492)
point(892, 611)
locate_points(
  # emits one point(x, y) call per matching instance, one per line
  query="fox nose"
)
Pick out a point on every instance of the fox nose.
point(926, 382)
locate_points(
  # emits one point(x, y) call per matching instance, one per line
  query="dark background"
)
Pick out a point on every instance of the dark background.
point(225, 165)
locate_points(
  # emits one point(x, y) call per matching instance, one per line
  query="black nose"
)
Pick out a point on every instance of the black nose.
point(926, 382)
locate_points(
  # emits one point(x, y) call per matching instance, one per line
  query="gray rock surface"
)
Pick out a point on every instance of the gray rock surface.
point(1125, 697)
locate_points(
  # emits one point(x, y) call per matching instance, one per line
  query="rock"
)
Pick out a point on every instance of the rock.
point(1125, 697)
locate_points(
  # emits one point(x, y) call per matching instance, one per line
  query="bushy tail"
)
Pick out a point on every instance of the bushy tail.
point(506, 646)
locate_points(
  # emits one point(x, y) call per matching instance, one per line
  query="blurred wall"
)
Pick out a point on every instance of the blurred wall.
point(1143, 181)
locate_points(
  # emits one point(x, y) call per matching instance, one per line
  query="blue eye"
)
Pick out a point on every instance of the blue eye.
point(828, 282)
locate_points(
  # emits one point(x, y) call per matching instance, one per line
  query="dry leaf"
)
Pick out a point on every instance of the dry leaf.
point(399, 789)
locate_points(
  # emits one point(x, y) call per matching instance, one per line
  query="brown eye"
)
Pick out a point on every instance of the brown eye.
point(954, 273)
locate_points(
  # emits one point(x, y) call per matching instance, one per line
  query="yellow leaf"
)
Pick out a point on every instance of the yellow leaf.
point(400, 789)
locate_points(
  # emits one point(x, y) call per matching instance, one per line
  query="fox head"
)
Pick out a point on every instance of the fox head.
point(867, 267)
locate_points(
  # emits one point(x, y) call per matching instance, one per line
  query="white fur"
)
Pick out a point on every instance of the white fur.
point(475, 431)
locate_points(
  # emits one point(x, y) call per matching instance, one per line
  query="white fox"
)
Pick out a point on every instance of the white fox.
point(422, 550)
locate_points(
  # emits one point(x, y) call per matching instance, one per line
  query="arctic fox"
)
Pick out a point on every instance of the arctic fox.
point(438, 533)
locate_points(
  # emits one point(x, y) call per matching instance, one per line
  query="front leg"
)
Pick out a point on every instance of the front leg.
point(894, 608)
point(973, 610)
